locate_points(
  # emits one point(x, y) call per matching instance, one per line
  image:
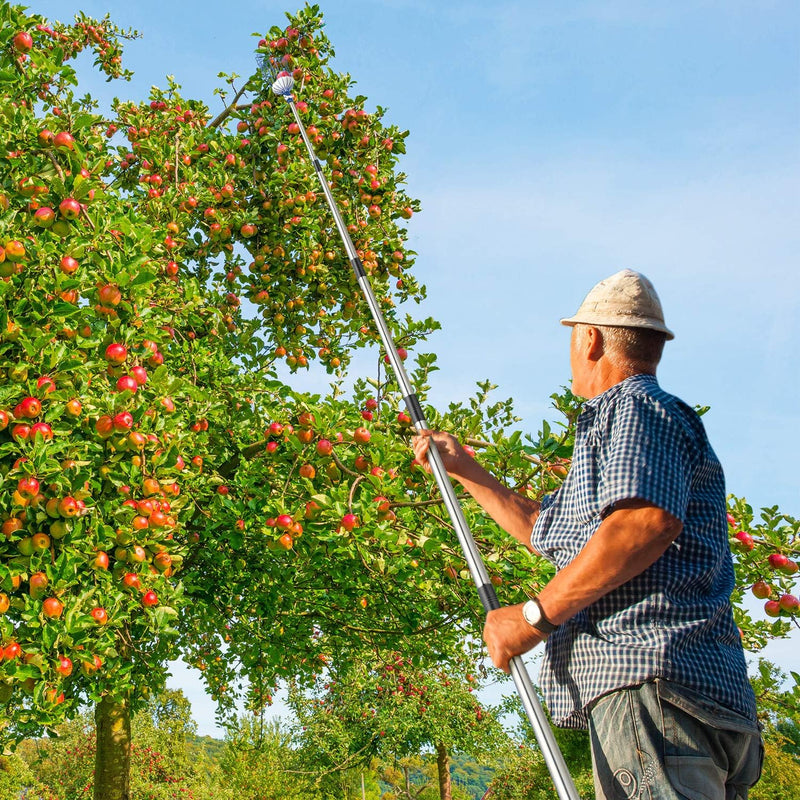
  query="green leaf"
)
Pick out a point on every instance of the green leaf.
point(143, 278)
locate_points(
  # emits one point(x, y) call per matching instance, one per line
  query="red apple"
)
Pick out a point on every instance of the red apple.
point(361, 435)
point(772, 608)
point(131, 580)
point(789, 603)
point(761, 590)
point(123, 421)
point(30, 407)
point(64, 140)
point(69, 208)
point(64, 667)
point(44, 217)
point(349, 522)
point(127, 383)
point(22, 42)
point(41, 429)
point(99, 615)
point(52, 607)
point(778, 561)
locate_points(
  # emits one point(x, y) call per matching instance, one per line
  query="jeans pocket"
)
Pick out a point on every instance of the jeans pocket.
point(696, 777)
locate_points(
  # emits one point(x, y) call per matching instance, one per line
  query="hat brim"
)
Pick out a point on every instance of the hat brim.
point(614, 322)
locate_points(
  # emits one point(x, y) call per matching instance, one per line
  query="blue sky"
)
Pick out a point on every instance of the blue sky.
point(553, 144)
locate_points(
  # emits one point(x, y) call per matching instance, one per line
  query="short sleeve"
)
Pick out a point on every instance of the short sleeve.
point(649, 456)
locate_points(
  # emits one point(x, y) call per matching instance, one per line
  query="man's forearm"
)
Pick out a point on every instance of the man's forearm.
point(512, 511)
point(627, 542)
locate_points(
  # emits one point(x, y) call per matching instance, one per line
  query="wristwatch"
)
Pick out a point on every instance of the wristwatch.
point(534, 616)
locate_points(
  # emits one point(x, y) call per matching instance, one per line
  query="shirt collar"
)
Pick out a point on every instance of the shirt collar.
point(642, 379)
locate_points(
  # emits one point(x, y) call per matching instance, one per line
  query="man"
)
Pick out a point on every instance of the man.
point(641, 644)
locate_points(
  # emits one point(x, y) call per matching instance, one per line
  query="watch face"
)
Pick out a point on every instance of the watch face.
point(531, 613)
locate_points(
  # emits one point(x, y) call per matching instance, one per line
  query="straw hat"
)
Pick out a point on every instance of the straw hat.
point(627, 300)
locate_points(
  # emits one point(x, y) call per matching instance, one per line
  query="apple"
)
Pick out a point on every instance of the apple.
point(127, 383)
point(30, 407)
point(116, 353)
point(361, 435)
point(40, 542)
point(286, 541)
point(109, 294)
point(789, 603)
point(69, 208)
point(41, 429)
point(44, 217)
point(64, 140)
point(22, 42)
point(25, 546)
point(37, 583)
point(744, 541)
point(131, 580)
point(284, 521)
point(52, 608)
point(772, 608)
point(90, 667)
point(349, 522)
point(149, 599)
point(64, 667)
point(5, 603)
point(104, 426)
point(74, 407)
point(12, 650)
point(68, 265)
point(100, 561)
point(762, 590)
point(28, 487)
point(99, 615)
point(162, 561)
point(123, 421)
point(14, 250)
point(778, 561)
point(324, 447)
point(68, 507)
point(307, 471)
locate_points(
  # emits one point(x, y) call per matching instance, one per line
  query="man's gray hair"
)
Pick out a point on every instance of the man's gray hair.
point(633, 350)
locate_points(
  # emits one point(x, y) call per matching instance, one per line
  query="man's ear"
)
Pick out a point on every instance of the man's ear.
point(593, 343)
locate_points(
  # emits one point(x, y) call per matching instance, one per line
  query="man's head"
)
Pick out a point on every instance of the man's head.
point(618, 331)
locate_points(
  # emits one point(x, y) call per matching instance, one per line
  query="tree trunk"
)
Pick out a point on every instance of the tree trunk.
point(443, 766)
point(112, 765)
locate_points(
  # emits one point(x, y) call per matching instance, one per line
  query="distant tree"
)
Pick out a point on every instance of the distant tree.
point(391, 708)
point(161, 768)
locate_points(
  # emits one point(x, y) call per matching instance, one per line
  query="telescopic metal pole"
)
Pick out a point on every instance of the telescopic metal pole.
point(544, 734)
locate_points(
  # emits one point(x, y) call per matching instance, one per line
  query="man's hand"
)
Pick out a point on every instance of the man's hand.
point(507, 634)
point(454, 458)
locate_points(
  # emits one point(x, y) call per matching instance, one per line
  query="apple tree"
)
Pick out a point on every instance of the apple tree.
point(157, 266)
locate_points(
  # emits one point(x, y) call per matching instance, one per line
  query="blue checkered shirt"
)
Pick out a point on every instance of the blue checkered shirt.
point(674, 620)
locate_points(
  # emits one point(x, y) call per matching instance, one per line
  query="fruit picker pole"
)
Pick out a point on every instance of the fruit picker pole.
point(544, 734)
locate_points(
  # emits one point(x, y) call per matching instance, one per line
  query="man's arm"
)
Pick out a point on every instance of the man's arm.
point(510, 510)
point(629, 540)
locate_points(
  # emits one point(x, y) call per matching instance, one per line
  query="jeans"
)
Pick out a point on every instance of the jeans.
point(660, 741)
